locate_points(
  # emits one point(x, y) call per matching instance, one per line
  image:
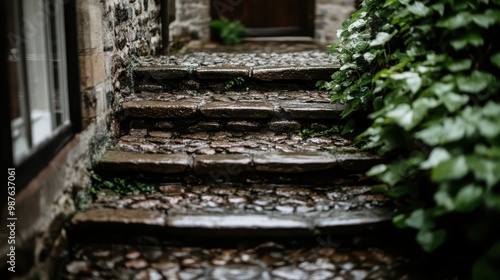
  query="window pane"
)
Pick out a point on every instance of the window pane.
point(34, 20)
point(59, 92)
point(19, 116)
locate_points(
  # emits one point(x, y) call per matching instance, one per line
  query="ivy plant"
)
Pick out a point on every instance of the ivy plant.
point(230, 32)
point(121, 186)
point(428, 71)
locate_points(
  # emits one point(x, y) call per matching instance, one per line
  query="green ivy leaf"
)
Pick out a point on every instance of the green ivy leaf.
point(381, 39)
point(377, 170)
point(484, 169)
point(495, 59)
point(472, 39)
point(430, 240)
point(418, 8)
point(416, 219)
point(456, 21)
point(484, 20)
point(399, 221)
point(474, 83)
point(451, 169)
point(459, 65)
point(437, 156)
point(402, 115)
point(443, 199)
point(468, 198)
point(453, 101)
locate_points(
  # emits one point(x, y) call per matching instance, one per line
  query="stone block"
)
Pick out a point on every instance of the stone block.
point(137, 162)
point(312, 110)
point(222, 72)
point(304, 73)
point(225, 165)
point(160, 109)
point(92, 69)
point(253, 110)
point(294, 162)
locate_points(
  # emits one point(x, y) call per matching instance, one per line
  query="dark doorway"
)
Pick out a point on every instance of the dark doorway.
point(269, 17)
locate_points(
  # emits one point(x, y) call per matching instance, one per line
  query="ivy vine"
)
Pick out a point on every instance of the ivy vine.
point(428, 71)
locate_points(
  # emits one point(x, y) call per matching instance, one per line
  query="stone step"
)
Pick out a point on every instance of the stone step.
point(243, 70)
point(226, 154)
point(240, 209)
point(234, 110)
point(319, 259)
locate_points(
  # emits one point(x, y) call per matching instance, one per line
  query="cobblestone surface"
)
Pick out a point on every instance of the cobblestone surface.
point(229, 142)
point(308, 201)
point(265, 261)
point(247, 54)
point(299, 96)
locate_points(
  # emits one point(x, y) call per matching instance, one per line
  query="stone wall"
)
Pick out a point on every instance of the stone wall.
point(329, 17)
point(110, 34)
point(192, 20)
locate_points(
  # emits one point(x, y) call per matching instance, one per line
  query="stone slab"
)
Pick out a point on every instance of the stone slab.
point(160, 109)
point(310, 111)
point(305, 73)
point(226, 72)
point(137, 162)
point(119, 216)
point(294, 162)
point(228, 221)
point(251, 110)
point(164, 72)
point(222, 164)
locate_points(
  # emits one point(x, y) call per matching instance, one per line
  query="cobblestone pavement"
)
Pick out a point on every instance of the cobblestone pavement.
point(246, 54)
point(269, 260)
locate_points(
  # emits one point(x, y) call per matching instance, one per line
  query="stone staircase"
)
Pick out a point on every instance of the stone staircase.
point(249, 187)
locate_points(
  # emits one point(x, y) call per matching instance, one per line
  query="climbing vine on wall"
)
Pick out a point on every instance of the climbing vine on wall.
point(428, 71)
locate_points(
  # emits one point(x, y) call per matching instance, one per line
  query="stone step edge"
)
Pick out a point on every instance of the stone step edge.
point(228, 72)
point(217, 221)
point(278, 162)
point(227, 110)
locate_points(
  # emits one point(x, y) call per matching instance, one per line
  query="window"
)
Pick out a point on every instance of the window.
point(40, 44)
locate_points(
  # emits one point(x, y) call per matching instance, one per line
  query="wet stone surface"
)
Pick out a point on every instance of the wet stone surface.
point(307, 202)
point(232, 143)
point(268, 260)
point(249, 59)
point(295, 96)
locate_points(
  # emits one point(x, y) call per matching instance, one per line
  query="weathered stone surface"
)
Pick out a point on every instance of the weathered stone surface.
point(119, 216)
point(354, 218)
point(220, 164)
point(270, 73)
point(159, 109)
point(243, 126)
point(228, 221)
point(225, 72)
point(156, 163)
point(284, 125)
point(312, 110)
point(357, 161)
point(294, 162)
point(252, 110)
point(164, 72)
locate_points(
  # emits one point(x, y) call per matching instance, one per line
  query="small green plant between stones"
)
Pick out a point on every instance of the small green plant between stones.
point(238, 81)
point(230, 32)
point(121, 186)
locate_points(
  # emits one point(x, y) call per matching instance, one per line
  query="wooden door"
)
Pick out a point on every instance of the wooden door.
point(269, 17)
